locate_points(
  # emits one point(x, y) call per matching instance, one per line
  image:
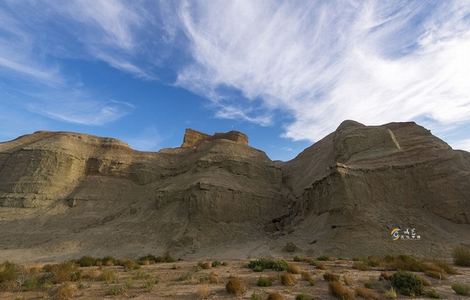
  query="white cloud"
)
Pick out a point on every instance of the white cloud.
point(323, 62)
point(461, 145)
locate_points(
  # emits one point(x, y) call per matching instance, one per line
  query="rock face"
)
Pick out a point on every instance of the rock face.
point(193, 138)
point(67, 194)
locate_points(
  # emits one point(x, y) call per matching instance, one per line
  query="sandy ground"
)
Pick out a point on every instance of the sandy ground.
point(185, 280)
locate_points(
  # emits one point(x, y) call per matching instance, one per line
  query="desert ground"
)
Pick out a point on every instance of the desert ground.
point(267, 278)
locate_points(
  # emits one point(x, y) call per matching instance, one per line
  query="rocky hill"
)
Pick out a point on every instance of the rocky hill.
point(65, 194)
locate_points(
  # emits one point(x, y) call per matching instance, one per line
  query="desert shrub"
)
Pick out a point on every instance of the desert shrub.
point(303, 297)
point(361, 266)
point(407, 283)
point(461, 289)
point(264, 281)
point(308, 277)
point(86, 261)
point(108, 276)
point(367, 293)
point(116, 290)
point(435, 274)
point(294, 269)
point(148, 259)
point(149, 283)
point(385, 276)
point(330, 276)
point(202, 292)
point(432, 294)
point(63, 272)
point(64, 292)
point(9, 271)
point(318, 265)
point(268, 263)
point(340, 291)
point(323, 258)
point(216, 264)
point(423, 280)
point(108, 261)
point(205, 265)
point(288, 279)
point(275, 296)
point(404, 263)
point(213, 277)
point(461, 256)
point(445, 266)
point(255, 296)
point(129, 264)
point(235, 286)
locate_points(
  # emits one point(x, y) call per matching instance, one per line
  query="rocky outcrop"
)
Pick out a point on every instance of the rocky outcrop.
point(216, 194)
point(193, 138)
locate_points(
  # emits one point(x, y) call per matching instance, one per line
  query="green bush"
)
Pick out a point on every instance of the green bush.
point(9, 272)
point(461, 289)
point(323, 258)
point(87, 261)
point(216, 264)
point(268, 263)
point(432, 294)
point(461, 256)
point(407, 283)
point(264, 281)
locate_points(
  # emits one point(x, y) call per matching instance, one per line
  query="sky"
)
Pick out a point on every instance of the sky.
point(286, 73)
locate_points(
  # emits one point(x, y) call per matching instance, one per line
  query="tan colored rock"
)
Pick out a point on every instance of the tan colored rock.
point(193, 138)
point(67, 194)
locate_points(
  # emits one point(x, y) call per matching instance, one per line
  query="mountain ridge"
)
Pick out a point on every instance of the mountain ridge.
point(216, 194)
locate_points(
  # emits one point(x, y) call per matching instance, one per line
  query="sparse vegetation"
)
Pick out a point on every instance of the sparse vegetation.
point(86, 261)
point(432, 294)
point(275, 296)
point(323, 258)
point(205, 265)
point(340, 291)
point(202, 292)
point(256, 296)
point(149, 283)
point(108, 276)
point(294, 269)
point(461, 289)
point(361, 265)
point(407, 283)
point(461, 256)
point(391, 294)
point(288, 279)
point(129, 264)
point(308, 277)
point(268, 263)
point(213, 277)
point(318, 265)
point(264, 282)
point(116, 290)
point(9, 273)
point(64, 292)
point(235, 286)
point(291, 247)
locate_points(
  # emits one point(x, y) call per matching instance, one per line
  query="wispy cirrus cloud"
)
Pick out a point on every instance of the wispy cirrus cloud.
point(325, 61)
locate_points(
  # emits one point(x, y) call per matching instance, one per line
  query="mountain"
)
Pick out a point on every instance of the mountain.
point(67, 194)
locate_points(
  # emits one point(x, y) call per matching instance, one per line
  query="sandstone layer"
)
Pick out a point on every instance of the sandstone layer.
point(67, 194)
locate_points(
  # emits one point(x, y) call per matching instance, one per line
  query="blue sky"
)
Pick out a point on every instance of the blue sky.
point(286, 73)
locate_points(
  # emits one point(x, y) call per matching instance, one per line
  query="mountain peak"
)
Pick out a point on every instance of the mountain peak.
point(193, 137)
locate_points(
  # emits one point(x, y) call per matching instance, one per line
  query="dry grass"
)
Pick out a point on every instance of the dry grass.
point(318, 265)
point(275, 296)
point(213, 278)
point(461, 256)
point(236, 286)
point(294, 269)
point(340, 291)
point(205, 265)
point(64, 292)
point(308, 277)
point(367, 293)
point(108, 276)
point(203, 292)
point(288, 279)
